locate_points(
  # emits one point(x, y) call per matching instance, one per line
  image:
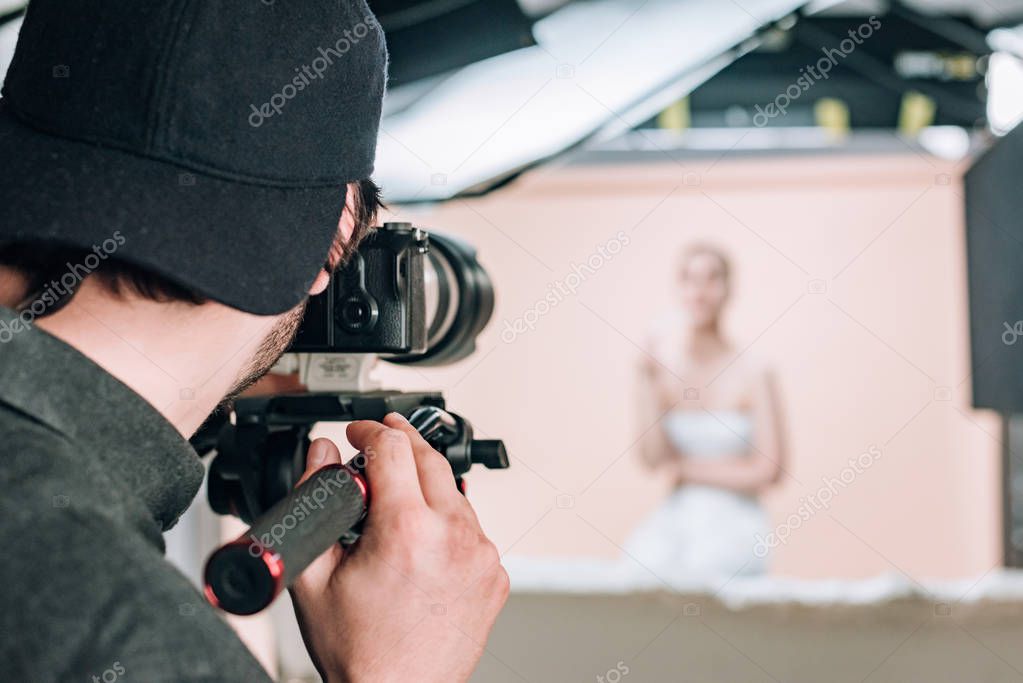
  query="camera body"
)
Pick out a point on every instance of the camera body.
point(376, 303)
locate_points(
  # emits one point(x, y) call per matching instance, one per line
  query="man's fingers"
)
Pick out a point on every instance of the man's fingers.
point(322, 452)
point(390, 465)
point(435, 476)
point(273, 383)
point(314, 578)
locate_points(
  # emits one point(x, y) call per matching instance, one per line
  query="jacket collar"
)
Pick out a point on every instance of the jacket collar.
point(56, 385)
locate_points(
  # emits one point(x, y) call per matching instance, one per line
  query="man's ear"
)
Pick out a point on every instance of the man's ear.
point(345, 230)
point(320, 283)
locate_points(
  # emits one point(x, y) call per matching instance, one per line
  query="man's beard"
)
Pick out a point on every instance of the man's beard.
point(269, 352)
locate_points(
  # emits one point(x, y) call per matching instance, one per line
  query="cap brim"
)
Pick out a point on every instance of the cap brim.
point(251, 247)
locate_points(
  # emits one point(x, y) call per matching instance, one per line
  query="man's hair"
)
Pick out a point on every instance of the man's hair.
point(41, 263)
point(367, 203)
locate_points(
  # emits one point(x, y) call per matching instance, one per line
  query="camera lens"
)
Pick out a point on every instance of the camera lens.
point(357, 314)
point(459, 302)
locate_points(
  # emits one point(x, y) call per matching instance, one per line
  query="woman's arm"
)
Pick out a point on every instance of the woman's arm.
point(654, 401)
point(762, 466)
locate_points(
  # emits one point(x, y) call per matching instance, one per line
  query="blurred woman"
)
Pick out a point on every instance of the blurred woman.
point(716, 435)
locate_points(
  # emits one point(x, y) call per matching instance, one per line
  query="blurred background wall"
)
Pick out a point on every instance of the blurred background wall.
point(849, 281)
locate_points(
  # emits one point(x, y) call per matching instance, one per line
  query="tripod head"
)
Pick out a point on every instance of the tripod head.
point(261, 456)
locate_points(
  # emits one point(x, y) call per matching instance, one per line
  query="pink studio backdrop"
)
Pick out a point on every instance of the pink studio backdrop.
point(849, 280)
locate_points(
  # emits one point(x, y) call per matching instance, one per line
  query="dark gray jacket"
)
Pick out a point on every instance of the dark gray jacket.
point(91, 475)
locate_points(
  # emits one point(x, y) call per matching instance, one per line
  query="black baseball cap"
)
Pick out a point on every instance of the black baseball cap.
point(215, 137)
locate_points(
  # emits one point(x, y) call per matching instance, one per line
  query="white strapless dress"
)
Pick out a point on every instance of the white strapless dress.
point(702, 532)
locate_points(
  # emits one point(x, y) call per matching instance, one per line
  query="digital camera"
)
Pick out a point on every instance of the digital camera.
point(405, 295)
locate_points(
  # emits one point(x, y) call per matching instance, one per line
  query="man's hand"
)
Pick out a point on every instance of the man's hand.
point(416, 597)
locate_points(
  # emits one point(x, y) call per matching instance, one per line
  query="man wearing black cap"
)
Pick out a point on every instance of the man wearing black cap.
point(173, 189)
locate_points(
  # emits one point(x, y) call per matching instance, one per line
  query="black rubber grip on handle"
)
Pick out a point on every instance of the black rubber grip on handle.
point(244, 576)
